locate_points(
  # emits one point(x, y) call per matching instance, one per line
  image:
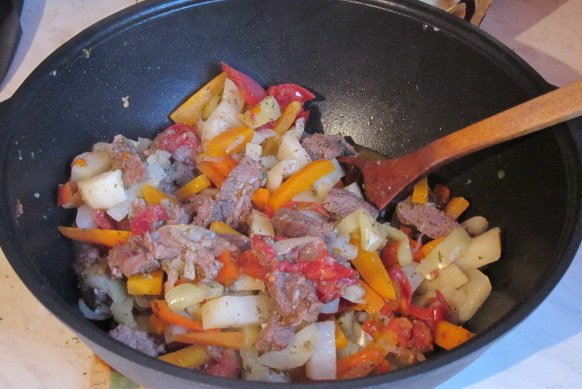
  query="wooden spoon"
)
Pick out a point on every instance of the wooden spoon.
point(385, 180)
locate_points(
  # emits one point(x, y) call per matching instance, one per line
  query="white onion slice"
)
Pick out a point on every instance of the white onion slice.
point(322, 364)
point(296, 354)
point(286, 245)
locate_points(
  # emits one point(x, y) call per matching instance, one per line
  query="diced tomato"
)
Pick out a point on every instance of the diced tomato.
point(104, 221)
point(252, 92)
point(249, 264)
point(180, 140)
point(389, 254)
point(402, 329)
point(68, 195)
point(147, 219)
point(229, 365)
point(370, 325)
point(420, 337)
point(401, 280)
point(436, 310)
point(306, 205)
point(287, 93)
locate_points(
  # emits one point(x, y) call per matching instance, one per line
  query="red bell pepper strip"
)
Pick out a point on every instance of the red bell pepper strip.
point(286, 93)
point(252, 92)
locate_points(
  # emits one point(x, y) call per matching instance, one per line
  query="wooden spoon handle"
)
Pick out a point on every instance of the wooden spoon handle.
point(541, 112)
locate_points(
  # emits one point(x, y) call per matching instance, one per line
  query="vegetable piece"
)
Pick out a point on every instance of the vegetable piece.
point(420, 192)
point(68, 195)
point(340, 338)
point(89, 164)
point(226, 339)
point(229, 272)
point(192, 109)
point(146, 284)
point(444, 253)
point(104, 190)
point(266, 111)
point(226, 115)
point(154, 196)
point(361, 363)
point(254, 151)
point(245, 283)
point(261, 199)
point(280, 170)
point(373, 302)
point(448, 335)
point(456, 206)
point(107, 238)
point(224, 166)
point(322, 364)
point(450, 275)
point(429, 246)
point(222, 228)
point(300, 181)
point(252, 92)
point(403, 251)
point(260, 224)
point(287, 94)
point(370, 267)
point(190, 357)
point(471, 296)
point(156, 325)
point(476, 225)
point(482, 250)
point(296, 354)
point(236, 311)
point(209, 170)
point(162, 309)
point(187, 294)
point(250, 335)
point(194, 186)
point(287, 118)
point(271, 146)
point(291, 149)
point(229, 142)
point(255, 371)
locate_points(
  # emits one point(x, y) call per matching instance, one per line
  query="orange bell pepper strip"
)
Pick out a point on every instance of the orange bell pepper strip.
point(373, 301)
point(154, 196)
point(372, 270)
point(361, 363)
point(68, 195)
point(163, 311)
point(456, 206)
point(300, 182)
point(420, 192)
point(225, 166)
point(261, 199)
point(192, 109)
point(428, 246)
point(229, 272)
point(194, 186)
point(222, 228)
point(190, 357)
point(448, 335)
point(107, 238)
point(156, 325)
point(146, 284)
point(226, 339)
point(229, 142)
point(287, 118)
point(209, 170)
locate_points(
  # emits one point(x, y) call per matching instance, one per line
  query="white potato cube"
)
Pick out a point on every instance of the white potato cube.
point(484, 249)
point(236, 311)
point(89, 164)
point(104, 190)
point(444, 253)
point(471, 296)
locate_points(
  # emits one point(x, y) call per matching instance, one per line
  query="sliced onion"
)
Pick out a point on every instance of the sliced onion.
point(98, 314)
point(331, 307)
point(286, 245)
point(296, 354)
point(404, 253)
point(260, 224)
point(323, 363)
point(247, 283)
point(354, 293)
point(253, 151)
point(298, 128)
point(355, 189)
point(122, 311)
point(291, 149)
point(236, 311)
point(182, 296)
point(255, 371)
point(306, 196)
point(85, 217)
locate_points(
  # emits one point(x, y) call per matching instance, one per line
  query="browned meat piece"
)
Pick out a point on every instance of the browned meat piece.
point(229, 365)
point(295, 224)
point(85, 256)
point(182, 172)
point(242, 242)
point(321, 146)
point(340, 203)
point(137, 340)
point(426, 218)
point(207, 212)
point(177, 214)
point(124, 156)
point(135, 256)
point(295, 298)
point(234, 198)
point(274, 336)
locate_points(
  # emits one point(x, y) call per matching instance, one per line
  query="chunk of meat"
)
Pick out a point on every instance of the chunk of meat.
point(182, 172)
point(124, 155)
point(426, 218)
point(234, 198)
point(180, 140)
point(295, 298)
point(137, 340)
point(295, 224)
point(229, 365)
point(274, 336)
point(136, 255)
point(177, 214)
point(340, 203)
point(207, 212)
point(321, 146)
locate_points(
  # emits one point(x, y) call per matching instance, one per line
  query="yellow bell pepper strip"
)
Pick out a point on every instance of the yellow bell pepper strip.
point(192, 109)
point(361, 363)
point(370, 267)
point(340, 338)
point(448, 335)
point(222, 228)
point(229, 142)
point(226, 339)
point(373, 301)
point(420, 192)
point(163, 311)
point(107, 238)
point(456, 206)
point(300, 182)
point(190, 357)
point(154, 196)
point(287, 118)
point(209, 170)
point(261, 199)
point(428, 246)
point(194, 186)
point(146, 284)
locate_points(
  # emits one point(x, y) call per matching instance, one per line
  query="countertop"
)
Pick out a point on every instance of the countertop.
point(544, 351)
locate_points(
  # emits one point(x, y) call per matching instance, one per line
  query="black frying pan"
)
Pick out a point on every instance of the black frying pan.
point(394, 75)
